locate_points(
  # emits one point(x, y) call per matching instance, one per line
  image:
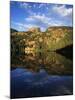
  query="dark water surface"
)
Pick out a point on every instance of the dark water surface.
point(41, 74)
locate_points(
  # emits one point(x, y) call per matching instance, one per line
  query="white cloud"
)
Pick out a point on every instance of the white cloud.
point(24, 5)
point(34, 5)
point(37, 17)
point(62, 10)
point(47, 8)
point(24, 27)
point(56, 23)
point(43, 21)
point(41, 5)
point(28, 19)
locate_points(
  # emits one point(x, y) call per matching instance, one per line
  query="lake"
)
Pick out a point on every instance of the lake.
point(41, 74)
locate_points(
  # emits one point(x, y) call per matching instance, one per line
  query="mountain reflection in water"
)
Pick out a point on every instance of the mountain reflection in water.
point(41, 74)
point(53, 63)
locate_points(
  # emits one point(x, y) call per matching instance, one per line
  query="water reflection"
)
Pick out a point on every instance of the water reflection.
point(41, 74)
point(52, 62)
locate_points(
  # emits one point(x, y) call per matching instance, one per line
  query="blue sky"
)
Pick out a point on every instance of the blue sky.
point(25, 15)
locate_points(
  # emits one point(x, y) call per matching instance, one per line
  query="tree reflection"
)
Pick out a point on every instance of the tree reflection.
point(53, 63)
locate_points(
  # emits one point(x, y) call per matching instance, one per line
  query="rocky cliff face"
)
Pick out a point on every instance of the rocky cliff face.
point(34, 30)
point(60, 37)
point(53, 39)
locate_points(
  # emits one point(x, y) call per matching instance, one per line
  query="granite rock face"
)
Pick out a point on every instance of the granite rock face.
point(54, 38)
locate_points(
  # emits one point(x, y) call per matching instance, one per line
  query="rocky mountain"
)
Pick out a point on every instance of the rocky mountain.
point(34, 30)
point(60, 37)
point(53, 39)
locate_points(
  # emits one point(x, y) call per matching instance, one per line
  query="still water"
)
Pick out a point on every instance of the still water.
point(41, 74)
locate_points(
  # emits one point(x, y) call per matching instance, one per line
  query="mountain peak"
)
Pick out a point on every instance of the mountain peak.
point(34, 29)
